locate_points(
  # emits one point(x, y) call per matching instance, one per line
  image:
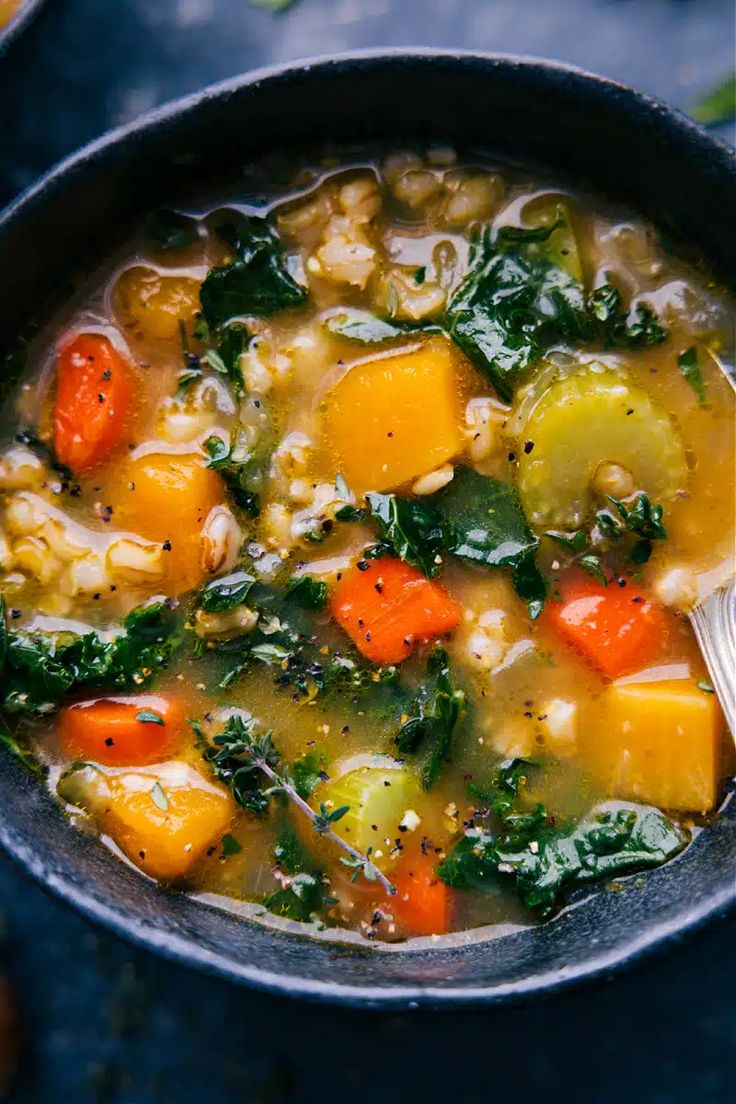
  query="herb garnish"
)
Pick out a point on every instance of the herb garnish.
point(147, 716)
point(158, 796)
point(245, 759)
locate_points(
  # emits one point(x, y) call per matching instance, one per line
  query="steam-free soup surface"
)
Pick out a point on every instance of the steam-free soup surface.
point(347, 539)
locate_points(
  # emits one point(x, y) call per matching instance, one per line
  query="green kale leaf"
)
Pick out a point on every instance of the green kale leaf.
point(307, 592)
point(433, 719)
point(411, 529)
point(241, 472)
point(489, 528)
point(545, 859)
point(617, 328)
point(41, 667)
point(256, 282)
point(302, 895)
point(513, 305)
point(226, 593)
point(369, 329)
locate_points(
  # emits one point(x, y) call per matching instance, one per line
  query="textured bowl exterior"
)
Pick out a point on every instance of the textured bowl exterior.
point(618, 142)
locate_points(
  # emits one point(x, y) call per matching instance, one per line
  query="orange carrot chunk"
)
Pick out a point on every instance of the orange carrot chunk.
point(615, 627)
point(422, 903)
point(386, 607)
point(94, 401)
point(122, 731)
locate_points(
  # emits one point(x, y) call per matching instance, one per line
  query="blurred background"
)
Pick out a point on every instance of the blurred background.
point(83, 1017)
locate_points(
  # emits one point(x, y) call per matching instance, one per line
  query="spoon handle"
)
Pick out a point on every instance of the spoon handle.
point(714, 624)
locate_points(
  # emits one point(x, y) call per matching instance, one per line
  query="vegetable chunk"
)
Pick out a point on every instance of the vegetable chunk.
point(422, 902)
point(95, 391)
point(166, 497)
point(659, 743)
point(377, 797)
point(155, 306)
point(386, 607)
point(122, 731)
point(391, 419)
point(582, 422)
point(164, 819)
point(614, 627)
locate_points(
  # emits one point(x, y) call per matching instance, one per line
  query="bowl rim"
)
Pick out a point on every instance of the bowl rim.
point(185, 950)
point(19, 23)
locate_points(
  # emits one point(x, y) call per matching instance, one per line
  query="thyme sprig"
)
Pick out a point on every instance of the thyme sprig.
point(241, 751)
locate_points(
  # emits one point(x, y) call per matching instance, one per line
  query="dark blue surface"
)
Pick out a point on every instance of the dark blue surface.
point(104, 1022)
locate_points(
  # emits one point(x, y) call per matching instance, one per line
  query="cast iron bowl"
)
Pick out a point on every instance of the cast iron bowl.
point(591, 130)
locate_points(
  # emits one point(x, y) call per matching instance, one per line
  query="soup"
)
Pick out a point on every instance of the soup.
point(348, 533)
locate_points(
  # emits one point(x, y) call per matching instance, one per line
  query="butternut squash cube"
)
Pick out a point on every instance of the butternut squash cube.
point(394, 418)
point(164, 818)
point(166, 497)
point(659, 743)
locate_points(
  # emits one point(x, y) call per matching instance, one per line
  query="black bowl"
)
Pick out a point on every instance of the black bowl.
point(622, 144)
point(19, 23)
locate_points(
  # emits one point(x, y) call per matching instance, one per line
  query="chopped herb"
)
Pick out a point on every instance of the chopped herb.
point(705, 686)
point(687, 362)
point(159, 797)
point(230, 846)
point(576, 541)
point(147, 716)
point(592, 564)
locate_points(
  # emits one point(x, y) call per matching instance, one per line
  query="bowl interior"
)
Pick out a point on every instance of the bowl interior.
point(591, 131)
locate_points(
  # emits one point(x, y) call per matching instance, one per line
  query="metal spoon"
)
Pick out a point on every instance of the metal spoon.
point(713, 619)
